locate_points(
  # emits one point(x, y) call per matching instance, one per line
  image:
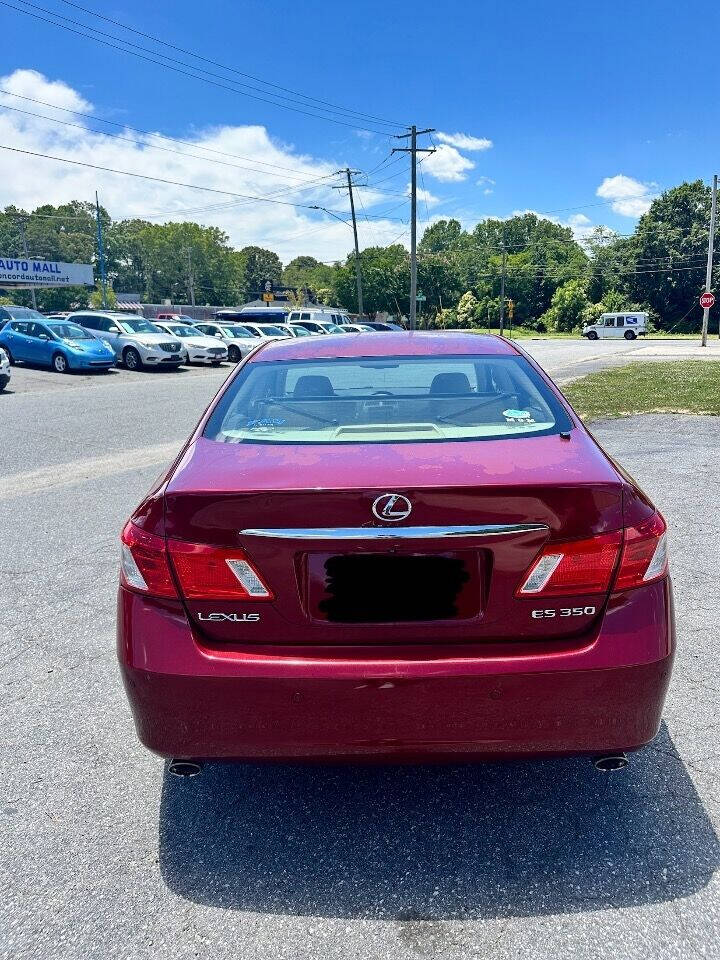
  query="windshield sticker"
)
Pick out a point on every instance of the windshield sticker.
point(518, 416)
point(266, 425)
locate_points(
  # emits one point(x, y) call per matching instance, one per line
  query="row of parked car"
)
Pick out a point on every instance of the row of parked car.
point(99, 339)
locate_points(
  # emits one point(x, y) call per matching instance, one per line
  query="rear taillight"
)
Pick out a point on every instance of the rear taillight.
point(575, 567)
point(645, 554)
point(587, 566)
point(144, 563)
point(216, 573)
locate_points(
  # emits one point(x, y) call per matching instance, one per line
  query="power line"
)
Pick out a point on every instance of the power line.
point(222, 66)
point(153, 146)
point(173, 183)
point(152, 56)
point(149, 133)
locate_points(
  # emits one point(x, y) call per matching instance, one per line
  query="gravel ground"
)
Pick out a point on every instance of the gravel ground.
point(104, 853)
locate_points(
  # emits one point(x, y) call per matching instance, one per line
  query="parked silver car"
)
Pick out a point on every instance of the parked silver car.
point(198, 347)
point(136, 342)
point(238, 340)
point(4, 369)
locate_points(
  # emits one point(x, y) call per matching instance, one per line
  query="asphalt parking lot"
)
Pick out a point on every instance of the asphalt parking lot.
point(105, 854)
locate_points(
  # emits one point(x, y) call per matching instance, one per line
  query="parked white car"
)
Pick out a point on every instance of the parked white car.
point(4, 369)
point(293, 329)
point(628, 326)
point(198, 347)
point(269, 331)
point(237, 338)
point(321, 329)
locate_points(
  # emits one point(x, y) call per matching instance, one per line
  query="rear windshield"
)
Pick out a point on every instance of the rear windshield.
point(386, 399)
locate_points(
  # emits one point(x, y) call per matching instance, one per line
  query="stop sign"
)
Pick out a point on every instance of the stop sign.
point(707, 300)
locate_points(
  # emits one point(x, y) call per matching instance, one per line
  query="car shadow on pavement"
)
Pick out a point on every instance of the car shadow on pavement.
point(437, 843)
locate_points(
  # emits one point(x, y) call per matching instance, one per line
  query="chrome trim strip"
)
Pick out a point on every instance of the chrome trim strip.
point(395, 533)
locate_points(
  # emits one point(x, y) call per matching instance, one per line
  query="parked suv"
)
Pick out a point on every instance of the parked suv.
point(136, 341)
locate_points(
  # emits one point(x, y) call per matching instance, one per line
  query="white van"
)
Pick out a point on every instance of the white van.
point(627, 325)
point(313, 315)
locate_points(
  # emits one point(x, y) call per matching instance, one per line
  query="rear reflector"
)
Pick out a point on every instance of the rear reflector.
point(575, 567)
point(215, 573)
point(645, 555)
point(144, 564)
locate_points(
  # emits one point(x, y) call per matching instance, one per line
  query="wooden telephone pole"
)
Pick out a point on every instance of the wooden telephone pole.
point(413, 150)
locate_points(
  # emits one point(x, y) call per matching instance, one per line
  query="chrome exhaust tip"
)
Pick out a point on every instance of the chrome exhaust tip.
point(184, 768)
point(610, 762)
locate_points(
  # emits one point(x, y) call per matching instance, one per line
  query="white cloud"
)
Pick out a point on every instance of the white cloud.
point(580, 225)
point(485, 181)
point(31, 83)
point(30, 181)
point(447, 164)
point(463, 141)
point(629, 197)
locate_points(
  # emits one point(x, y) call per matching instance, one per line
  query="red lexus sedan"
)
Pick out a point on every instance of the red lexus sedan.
point(404, 547)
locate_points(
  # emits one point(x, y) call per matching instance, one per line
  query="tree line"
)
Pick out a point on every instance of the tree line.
point(554, 281)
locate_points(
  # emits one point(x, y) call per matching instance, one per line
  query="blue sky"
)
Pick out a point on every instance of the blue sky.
point(575, 98)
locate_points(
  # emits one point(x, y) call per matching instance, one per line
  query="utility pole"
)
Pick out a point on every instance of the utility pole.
point(358, 275)
point(413, 150)
point(502, 283)
point(21, 222)
point(191, 279)
point(101, 253)
point(708, 273)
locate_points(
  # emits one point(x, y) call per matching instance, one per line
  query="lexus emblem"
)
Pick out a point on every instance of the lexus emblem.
point(392, 507)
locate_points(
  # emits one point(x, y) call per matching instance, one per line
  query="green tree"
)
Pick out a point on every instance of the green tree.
point(96, 297)
point(258, 265)
point(307, 274)
point(468, 310)
point(66, 232)
point(386, 280)
point(669, 251)
point(568, 305)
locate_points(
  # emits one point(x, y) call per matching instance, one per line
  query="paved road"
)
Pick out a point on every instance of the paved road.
point(567, 360)
point(104, 854)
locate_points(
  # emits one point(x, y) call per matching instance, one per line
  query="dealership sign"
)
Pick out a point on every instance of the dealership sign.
point(44, 273)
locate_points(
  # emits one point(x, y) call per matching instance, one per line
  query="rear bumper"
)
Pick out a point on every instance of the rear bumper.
point(479, 717)
point(193, 702)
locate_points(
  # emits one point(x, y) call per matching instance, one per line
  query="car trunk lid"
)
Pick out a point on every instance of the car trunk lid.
point(341, 572)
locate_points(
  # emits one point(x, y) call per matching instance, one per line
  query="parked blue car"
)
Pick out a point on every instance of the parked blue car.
point(59, 344)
